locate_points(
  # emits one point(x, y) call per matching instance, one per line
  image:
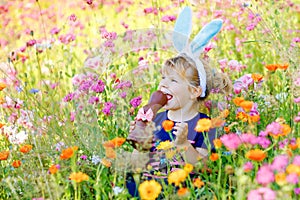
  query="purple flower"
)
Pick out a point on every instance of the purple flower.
point(242, 83)
point(83, 157)
point(297, 191)
point(108, 106)
point(69, 97)
point(94, 100)
point(98, 87)
point(123, 95)
point(135, 102)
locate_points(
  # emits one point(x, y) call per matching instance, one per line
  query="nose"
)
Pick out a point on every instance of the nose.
point(163, 84)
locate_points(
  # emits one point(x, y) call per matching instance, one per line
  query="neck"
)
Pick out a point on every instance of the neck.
point(184, 114)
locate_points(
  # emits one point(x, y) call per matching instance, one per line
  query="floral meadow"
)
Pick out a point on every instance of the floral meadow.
point(74, 74)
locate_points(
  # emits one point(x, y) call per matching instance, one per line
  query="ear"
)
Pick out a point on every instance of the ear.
point(196, 92)
point(205, 35)
point(182, 29)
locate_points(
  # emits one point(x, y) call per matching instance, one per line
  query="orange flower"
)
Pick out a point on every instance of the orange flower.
point(257, 77)
point(110, 153)
point(226, 129)
point(213, 157)
point(78, 177)
point(149, 190)
point(4, 155)
point(188, 167)
point(1, 100)
point(256, 155)
point(16, 163)
point(253, 118)
point(116, 142)
point(293, 146)
point(203, 125)
point(26, 148)
point(283, 66)
point(286, 129)
point(224, 113)
point(242, 116)
point(217, 143)
point(167, 125)
point(217, 122)
point(198, 183)
point(238, 100)
point(272, 67)
point(67, 153)
point(105, 162)
point(1, 125)
point(2, 86)
point(53, 169)
point(246, 105)
point(182, 191)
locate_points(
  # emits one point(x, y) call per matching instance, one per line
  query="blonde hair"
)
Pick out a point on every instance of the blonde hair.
point(186, 68)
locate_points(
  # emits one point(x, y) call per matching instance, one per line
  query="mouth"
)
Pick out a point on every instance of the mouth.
point(169, 96)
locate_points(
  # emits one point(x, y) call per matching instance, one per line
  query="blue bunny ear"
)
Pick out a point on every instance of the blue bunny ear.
point(182, 29)
point(205, 35)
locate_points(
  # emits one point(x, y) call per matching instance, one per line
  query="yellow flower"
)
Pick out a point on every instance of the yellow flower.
point(280, 178)
point(177, 177)
point(149, 190)
point(170, 153)
point(217, 143)
point(292, 168)
point(2, 86)
point(188, 167)
point(165, 145)
point(78, 177)
point(203, 125)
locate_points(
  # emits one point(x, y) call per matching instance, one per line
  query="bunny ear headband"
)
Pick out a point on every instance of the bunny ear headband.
point(181, 35)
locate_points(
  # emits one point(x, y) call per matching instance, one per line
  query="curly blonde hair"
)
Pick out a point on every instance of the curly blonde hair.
point(186, 68)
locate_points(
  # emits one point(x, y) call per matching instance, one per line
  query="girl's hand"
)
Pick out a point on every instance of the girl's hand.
point(132, 126)
point(181, 132)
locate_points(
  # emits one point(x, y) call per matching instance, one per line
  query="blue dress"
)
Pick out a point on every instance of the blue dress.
point(195, 138)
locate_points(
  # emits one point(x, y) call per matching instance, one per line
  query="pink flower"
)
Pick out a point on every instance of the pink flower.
point(248, 166)
point(265, 175)
point(262, 193)
point(297, 119)
point(168, 18)
point(297, 100)
point(292, 178)
point(231, 141)
point(280, 162)
point(242, 83)
point(274, 128)
point(73, 17)
point(296, 160)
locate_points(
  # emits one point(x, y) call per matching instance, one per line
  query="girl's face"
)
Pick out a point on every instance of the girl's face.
point(177, 89)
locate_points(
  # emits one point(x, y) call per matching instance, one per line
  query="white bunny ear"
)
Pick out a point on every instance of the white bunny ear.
point(205, 35)
point(182, 29)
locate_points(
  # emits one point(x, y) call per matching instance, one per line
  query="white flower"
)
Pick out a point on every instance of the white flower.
point(18, 138)
point(117, 190)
